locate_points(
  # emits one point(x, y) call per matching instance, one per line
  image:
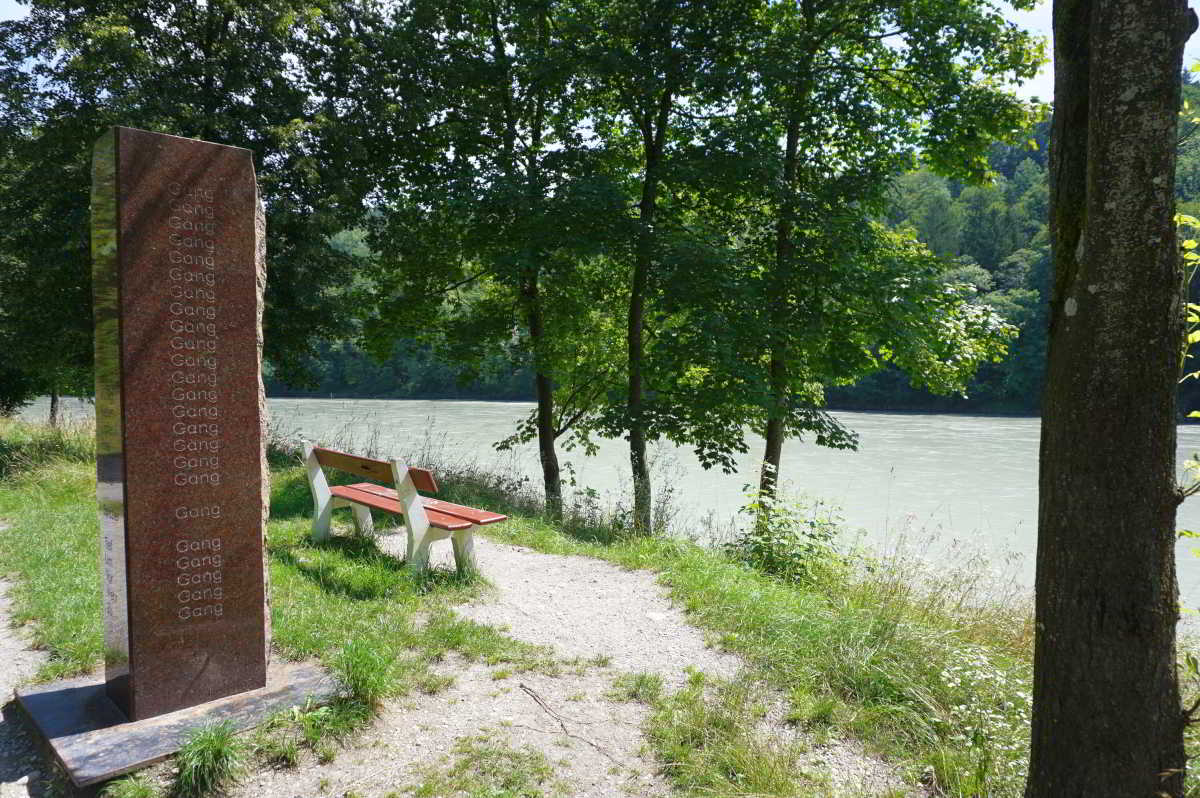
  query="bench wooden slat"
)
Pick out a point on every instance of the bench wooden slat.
point(373, 469)
point(480, 517)
point(391, 505)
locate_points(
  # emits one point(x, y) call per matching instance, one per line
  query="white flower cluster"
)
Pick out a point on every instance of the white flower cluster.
point(989, 719)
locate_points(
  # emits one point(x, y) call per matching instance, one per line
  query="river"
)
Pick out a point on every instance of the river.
point(953, 481)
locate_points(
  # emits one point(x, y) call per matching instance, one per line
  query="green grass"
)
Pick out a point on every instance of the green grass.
point(53, 548)
point(24, 446)
point(488, 766)
point(381, 629)
point(645, 688)
point(928, 668)
point(211, 759)
point(706, 738)
point(135, 786)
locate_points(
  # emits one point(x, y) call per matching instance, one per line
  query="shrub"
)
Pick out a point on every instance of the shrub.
point(789, 540)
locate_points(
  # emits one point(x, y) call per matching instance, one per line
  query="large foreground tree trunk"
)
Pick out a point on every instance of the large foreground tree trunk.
point(1106, 715)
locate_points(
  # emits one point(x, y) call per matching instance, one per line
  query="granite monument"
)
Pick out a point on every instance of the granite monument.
point(178, 274)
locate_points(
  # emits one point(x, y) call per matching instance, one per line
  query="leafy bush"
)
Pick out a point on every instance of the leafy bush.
point(791, 540)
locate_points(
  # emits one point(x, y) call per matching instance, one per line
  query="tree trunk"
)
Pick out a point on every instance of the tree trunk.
point(1106, 712)
point(784, 249)
point(544, 389)
point(639, 465)
point(653, 136)
point(773, 450)
point(54, 406)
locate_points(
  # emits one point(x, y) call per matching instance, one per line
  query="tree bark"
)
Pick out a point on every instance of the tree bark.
point(784, 249)
point(654, 131)
point(544, 390)
point(54, 407)
point(1106, 709)
point(773, 448)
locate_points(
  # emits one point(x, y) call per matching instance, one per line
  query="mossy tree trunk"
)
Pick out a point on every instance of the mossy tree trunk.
point(1106, 717)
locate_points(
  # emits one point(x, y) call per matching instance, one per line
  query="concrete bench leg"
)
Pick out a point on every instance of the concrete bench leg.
point(363, 523)
point(464, 550)
point(417, 556)
point(321, 522)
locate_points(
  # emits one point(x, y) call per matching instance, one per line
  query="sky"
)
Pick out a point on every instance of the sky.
point(1037, 21)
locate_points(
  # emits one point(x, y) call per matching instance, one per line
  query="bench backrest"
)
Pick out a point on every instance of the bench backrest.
point(378, 470)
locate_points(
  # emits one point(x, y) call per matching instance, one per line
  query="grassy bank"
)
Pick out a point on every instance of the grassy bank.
point(378, 628)
point(928, 668)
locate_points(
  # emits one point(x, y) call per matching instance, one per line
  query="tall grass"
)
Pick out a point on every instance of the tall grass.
point(25, 446)
point(211, 759)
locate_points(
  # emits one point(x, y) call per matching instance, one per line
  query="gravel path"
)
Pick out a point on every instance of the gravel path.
point(583, 607)
point(587, 611)
point(20, 765)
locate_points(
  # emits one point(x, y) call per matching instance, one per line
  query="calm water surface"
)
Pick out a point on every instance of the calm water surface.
point(966, 480)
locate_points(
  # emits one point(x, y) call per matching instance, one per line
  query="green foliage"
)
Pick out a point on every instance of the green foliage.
point(211, 759)
point(241, 73)
point(1001, 256)
point(788, 539)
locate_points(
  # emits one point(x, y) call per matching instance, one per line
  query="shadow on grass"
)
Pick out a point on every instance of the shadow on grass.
point(355, 568)
point(292, 498)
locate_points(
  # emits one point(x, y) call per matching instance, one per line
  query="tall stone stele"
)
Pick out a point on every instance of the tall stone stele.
point(178, 272)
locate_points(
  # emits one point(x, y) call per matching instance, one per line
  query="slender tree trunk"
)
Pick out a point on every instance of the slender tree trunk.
point(654, 131)
point(1106, 707)
point(544, 389)
point(773, 450)
point(54, 406)
point(784, 250)
point(642, 500)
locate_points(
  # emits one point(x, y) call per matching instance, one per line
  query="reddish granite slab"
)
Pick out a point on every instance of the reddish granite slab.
point(93, 741)
point(177, 245)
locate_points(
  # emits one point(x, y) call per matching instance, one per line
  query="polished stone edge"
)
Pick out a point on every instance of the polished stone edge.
point(94, 742)
point(110, 462)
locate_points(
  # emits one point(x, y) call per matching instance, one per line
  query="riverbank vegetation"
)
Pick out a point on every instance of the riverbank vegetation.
point(928, 666)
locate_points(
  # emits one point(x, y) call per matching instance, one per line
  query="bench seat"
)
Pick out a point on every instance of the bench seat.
point(443, 515)
point(426, 520)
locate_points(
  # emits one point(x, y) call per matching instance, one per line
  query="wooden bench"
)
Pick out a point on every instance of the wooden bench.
point(425, 519)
